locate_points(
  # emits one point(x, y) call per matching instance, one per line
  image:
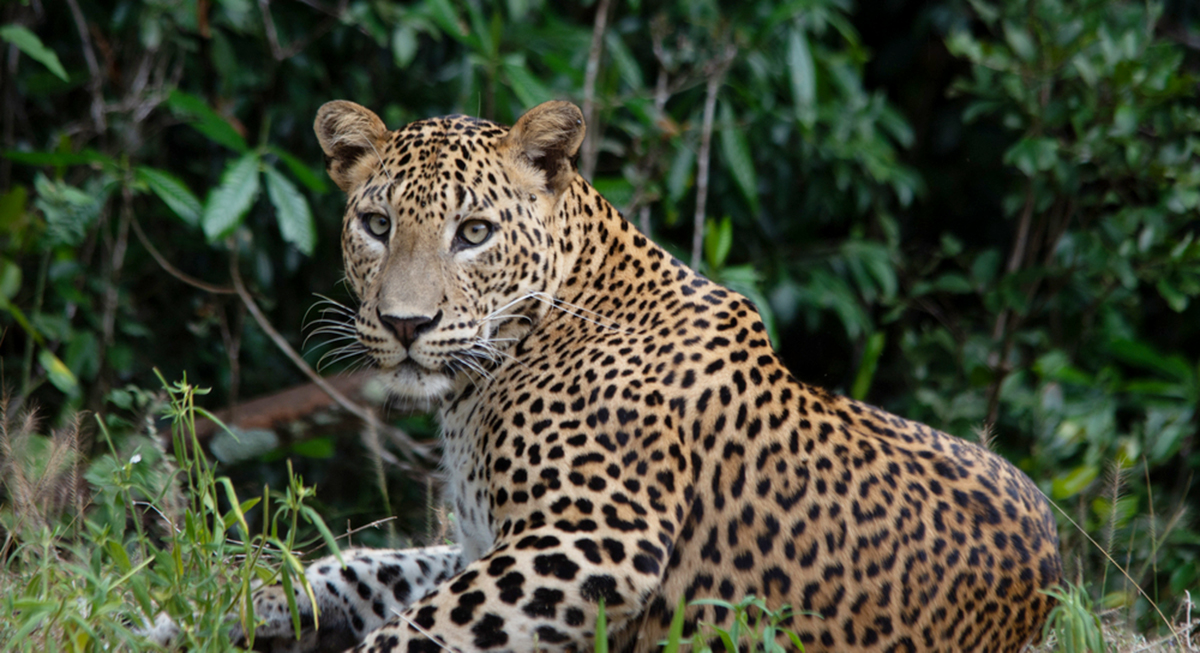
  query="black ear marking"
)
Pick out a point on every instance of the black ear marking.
point(347, 132)
point(549, 136)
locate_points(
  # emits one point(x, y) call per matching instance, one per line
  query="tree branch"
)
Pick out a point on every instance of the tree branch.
point(716, 75)
point(176, 272)
point(591, 139)
point(412, 448)
point(89, 55)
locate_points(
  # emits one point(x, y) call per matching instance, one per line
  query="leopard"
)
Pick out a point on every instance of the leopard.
point(619, 435)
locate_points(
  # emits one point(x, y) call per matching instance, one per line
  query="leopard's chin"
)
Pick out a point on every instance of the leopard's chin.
point(417, 387)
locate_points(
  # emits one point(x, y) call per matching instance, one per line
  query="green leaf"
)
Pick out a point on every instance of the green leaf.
point(207, 122)
point(172, 191)
point(58, 373)
point(14, 219)
point(1073, 482)
point(119, 555)
point(314, 518)
point(83, 157)
point(601, 645)
point(1178, 301)
point(624, 61)
point(235, 505)
point(444, 15)
point(28, 42)
point(1165, 430)
point(291, 211)
point(1143, 355)
point(1033, 155)
point(803, 76)
point(10, 279)
point(320, 448)
point(404, 45)
point(228, 203)
point(735, 149)
point(679, 176)
point(1020, 41)
point(527, 88)
point(718, 240)
point(866, 369)
point(675, 632)
point(300, 171)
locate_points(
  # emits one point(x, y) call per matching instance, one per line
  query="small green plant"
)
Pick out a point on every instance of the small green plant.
point(146, 534)
point(755, 627)
point(1076, 627)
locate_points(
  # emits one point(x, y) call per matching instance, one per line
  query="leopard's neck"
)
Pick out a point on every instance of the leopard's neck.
point(607, 257)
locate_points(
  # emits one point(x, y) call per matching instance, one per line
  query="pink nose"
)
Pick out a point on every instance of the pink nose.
point(408, 329)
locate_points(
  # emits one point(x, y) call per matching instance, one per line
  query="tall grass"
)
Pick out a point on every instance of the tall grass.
point(95, 552)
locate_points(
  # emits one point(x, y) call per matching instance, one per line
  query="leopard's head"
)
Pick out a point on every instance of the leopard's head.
point(452, 235)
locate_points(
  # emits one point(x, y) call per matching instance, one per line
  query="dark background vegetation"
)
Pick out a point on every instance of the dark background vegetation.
point(978, 214)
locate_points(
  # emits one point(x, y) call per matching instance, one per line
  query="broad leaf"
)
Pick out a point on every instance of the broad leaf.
point(803, 75)
point(171, 190)
point(59, 375)
point(718, 240)
point(228, 203)
point(624, 61)
point(1032, 155)
point(527, 88)
point(207, 122)
point(300, 171)
point(291, 211)
point(83, 157)
point(28, 42)
point(736, 151)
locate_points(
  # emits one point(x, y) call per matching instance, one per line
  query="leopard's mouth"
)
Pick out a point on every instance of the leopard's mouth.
point(412, 382)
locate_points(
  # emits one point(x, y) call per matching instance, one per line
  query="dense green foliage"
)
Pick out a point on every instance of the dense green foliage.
point(982, 215)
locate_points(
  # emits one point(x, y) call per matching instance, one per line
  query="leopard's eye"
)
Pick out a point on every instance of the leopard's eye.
point(474, 232)
point(378, 224)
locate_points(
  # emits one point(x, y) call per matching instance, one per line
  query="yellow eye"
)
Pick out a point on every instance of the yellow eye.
point(474, 232)
point(378, 224)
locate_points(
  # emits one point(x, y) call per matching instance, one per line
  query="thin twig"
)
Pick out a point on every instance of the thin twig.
point(375, 524)
point(1017, 256)
point(1001, 333)
point(89, 55)
point(591, 138)
point(176, 272)
point(117, 262)
point(412, 448)
point(269, 28)
point(716, 75)
point(281, 53)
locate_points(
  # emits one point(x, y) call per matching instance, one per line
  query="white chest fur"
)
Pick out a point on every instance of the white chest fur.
point(466, 489)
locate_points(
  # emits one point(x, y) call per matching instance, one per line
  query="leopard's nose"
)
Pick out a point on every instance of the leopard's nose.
point(408, 329)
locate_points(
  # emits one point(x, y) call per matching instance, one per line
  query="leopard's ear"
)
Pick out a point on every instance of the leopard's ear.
point(348, 133)
point(549, 136)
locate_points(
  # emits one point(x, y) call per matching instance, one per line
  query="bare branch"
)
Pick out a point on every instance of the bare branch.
point(716, 75)
point(89, 55)
point(998, 360)
point(174, 271)
point(412, 448)
point(591, 139)
point(269, 27)
point(108, 321)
